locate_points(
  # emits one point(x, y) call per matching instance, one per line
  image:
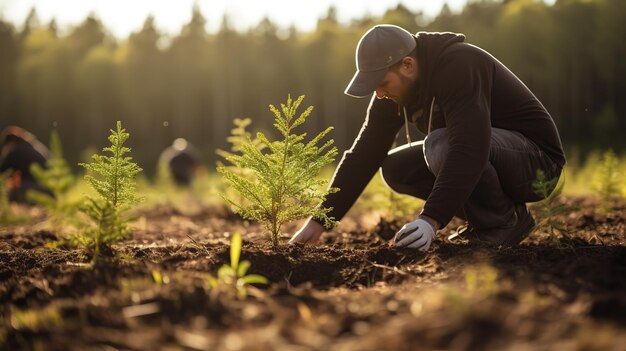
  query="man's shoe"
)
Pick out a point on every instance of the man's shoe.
point(516, 230)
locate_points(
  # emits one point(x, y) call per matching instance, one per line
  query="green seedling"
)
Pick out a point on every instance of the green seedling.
point(58, 178)
point(402, 206)
point(36, 320)
point(232, 279)
point(608, 180)
point(481, 280)
point(5, 209)
point(549, 208)
point(7, 215)
point(159, 278)
point(281, 181)
point(114, 181)
point(238, 137)
point(480, 287)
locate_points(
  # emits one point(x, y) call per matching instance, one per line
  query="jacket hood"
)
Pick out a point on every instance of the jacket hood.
point(430, 45)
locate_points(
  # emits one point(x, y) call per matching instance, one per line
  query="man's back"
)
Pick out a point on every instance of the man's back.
point(512, 105)
point(463, 70)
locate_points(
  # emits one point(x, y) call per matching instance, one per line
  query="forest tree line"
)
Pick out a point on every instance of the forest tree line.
point(571, 54)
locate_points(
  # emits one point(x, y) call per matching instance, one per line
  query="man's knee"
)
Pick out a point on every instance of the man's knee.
point(435, 149)
point(391, 172)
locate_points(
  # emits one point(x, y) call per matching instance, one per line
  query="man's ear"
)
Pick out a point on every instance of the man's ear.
point(409, 64)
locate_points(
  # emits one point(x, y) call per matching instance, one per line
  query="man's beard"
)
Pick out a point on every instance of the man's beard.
point(410, 93)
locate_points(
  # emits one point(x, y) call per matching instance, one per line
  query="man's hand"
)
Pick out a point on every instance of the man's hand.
point(416, 235)
point(309, 233)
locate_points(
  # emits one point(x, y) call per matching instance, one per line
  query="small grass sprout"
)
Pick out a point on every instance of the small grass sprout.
point(233, 279)
point(36, 319)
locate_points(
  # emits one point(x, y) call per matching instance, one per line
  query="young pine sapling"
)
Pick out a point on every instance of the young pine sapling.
point(57, 178)
point(9, 180)
point(281, 183)
point(115, 186)
point(608, 180)
point(549, 208)
point(238, 137)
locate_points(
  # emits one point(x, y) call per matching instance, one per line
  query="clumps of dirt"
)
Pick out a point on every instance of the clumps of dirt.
point(321, 267)
point(36, 239)
point(387, 228)
point(355, 291)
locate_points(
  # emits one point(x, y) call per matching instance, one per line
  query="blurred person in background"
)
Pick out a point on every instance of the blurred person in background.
point(20, 149)
point(486, 137)
point(181, 162)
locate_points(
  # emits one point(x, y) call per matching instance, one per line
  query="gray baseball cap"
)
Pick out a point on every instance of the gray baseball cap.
point(380, 48)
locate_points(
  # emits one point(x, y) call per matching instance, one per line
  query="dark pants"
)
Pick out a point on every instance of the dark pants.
point(506, 181)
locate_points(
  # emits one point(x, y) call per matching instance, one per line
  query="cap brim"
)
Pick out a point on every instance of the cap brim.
point(364, 83)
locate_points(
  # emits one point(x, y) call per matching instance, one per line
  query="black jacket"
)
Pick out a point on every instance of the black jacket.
point(473, 93)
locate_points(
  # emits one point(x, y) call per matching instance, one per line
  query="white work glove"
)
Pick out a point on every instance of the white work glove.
point(416, 235)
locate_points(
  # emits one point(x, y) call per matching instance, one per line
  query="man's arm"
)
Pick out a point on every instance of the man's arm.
point(463, 90)
point(358, 164)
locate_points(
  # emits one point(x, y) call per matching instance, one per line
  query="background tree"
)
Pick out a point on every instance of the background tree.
point(194, 83)
point(9, 59)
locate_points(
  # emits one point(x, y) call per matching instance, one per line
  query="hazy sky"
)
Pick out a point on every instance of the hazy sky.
point(123, 16)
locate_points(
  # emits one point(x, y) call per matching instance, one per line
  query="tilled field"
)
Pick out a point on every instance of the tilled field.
point(353, 292)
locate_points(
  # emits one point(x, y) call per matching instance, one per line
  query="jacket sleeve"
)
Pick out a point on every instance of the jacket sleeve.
point(462, 86)
point(366, 155)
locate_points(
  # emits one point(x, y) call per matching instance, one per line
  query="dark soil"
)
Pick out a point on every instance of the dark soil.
point(353, 292)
